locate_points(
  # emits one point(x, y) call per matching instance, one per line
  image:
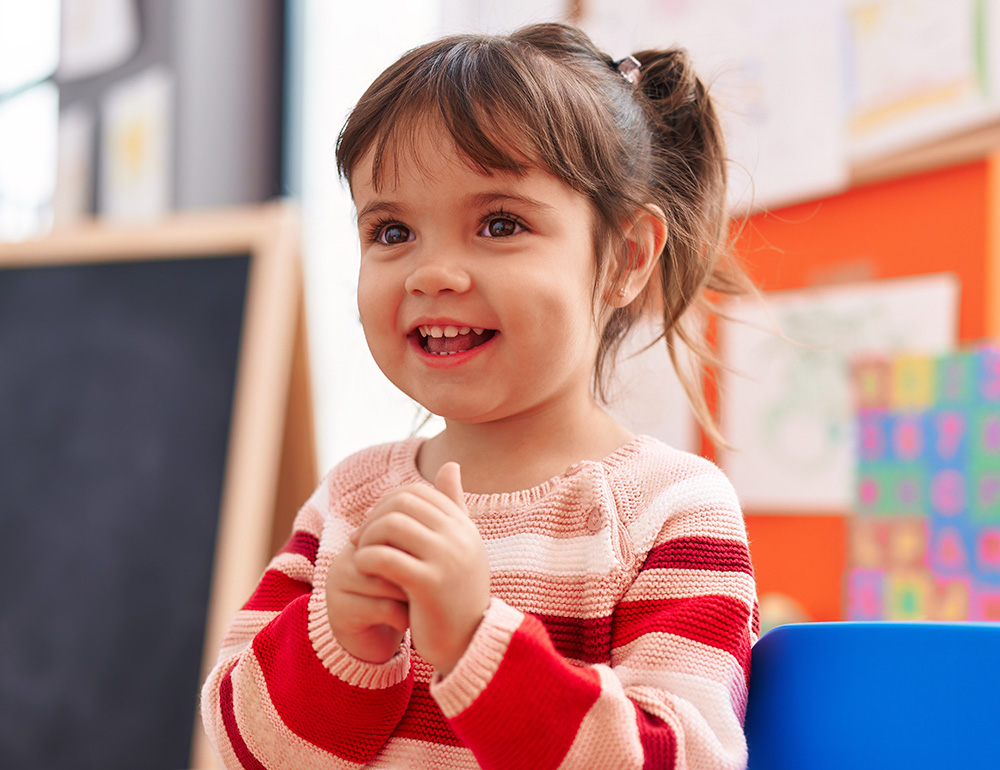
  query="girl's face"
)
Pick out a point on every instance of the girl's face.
point(475, 291)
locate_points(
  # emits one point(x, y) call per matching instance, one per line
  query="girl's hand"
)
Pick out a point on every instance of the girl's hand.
point(423, 541)
point(368, 616)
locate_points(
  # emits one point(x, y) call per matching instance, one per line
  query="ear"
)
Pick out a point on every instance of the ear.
point(645, 236)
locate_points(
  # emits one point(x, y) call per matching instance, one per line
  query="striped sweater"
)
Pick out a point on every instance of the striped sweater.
point(618, 635)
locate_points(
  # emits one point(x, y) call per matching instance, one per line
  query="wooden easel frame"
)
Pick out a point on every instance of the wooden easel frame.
point(271, 465)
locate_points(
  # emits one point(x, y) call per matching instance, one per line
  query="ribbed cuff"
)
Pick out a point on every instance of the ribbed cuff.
point(459, 689)
point(343, 665)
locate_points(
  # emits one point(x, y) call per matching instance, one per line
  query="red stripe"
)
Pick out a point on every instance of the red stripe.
point(585, 639)
point(243, 754)
point(659, 744)
point(347, 721)
point(715, 620)
point(700, 553)
point(276, 591)
point(423, 720)
point(302, 544)
point(529, 714)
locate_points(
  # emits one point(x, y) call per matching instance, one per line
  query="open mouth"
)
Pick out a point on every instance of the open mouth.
point(449, 340)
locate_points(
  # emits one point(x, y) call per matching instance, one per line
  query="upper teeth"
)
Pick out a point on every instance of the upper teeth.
point(447, 331)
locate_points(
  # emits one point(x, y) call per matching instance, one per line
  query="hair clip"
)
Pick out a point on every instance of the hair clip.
point(628, 68)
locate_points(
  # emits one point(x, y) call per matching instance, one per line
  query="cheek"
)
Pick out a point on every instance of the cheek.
point(374, 305)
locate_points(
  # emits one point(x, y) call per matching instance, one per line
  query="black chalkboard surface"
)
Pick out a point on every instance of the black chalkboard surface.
point(119, 382)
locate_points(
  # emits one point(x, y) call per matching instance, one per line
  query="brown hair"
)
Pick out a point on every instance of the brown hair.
point(545, 96)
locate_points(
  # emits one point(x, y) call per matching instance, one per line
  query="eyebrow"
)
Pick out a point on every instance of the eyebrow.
point(380, 207)
point(492, 198)
point(482, 199)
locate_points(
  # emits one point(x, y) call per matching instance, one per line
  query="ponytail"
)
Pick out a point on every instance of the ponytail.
point(687, 183)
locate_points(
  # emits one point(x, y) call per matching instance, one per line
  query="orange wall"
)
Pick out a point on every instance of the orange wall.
point(927, 223)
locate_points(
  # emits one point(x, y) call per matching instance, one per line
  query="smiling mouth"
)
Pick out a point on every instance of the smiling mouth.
point(449, 340)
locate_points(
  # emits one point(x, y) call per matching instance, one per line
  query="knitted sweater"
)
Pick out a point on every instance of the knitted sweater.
point(618, 635)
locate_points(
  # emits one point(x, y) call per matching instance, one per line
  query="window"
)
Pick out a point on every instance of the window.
point(29, 115)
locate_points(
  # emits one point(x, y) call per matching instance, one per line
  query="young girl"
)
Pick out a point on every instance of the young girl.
point(534, 587)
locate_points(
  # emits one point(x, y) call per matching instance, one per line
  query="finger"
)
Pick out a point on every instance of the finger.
point(449, 481)
point(401, 531)
point(374, 587)
point(425, 505)
point(362, 612)
point(393, 565)
point(344, 577)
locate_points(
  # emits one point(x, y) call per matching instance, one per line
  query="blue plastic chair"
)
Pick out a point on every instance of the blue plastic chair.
point(880, 695)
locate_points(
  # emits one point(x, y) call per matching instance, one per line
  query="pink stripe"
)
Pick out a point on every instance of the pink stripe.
point(246, 758)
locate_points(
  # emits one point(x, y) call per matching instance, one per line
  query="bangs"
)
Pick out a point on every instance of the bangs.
point(502, 103)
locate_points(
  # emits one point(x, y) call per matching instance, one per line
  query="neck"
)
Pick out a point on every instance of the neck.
point(523, 451)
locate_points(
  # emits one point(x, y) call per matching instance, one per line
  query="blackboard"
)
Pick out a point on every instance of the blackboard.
point(119, 383)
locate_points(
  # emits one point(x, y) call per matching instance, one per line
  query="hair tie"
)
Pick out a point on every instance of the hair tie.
point(628, 68)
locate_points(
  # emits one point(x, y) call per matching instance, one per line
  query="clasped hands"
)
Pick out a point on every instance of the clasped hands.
point(417, 562)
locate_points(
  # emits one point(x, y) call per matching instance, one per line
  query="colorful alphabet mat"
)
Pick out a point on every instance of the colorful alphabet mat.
point(925, 540)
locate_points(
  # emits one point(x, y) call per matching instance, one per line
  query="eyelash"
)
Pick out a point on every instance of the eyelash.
point(501, 214)
point(374, 231)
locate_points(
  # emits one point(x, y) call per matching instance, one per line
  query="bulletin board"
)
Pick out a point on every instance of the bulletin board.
point(941, 221)
point(156, 436)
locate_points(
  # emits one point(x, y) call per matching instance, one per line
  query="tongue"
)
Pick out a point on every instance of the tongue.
point(457, 344)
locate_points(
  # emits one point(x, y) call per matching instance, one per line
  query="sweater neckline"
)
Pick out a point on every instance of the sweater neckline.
point(404, 461)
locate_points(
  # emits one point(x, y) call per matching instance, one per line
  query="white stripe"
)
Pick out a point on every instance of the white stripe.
point(408, 754)
point(712, 734)
point(294, 566)
point(658, 651)
point(573, 556)
point(246, 624)
point(704, 495)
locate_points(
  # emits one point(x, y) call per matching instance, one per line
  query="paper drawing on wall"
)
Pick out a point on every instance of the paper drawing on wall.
point(786, 407)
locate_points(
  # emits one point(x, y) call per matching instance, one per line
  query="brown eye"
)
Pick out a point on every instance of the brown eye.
point(393, 234)
point(500, 227)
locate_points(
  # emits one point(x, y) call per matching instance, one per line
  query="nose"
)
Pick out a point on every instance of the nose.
point(434, 274)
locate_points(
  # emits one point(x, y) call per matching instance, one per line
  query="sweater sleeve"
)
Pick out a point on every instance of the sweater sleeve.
point(284, 693)
point(674, 693)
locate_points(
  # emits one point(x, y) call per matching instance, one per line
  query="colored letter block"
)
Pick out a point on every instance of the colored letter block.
point(950, 434)
point(908, 595)
point(948, 552)
point(912, 382)
point(871, 383)
point(956, 379)
point(865, 592)
point(951, 600)
point(988, 554)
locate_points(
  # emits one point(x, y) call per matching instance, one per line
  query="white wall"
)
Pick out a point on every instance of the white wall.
point(345, 45)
